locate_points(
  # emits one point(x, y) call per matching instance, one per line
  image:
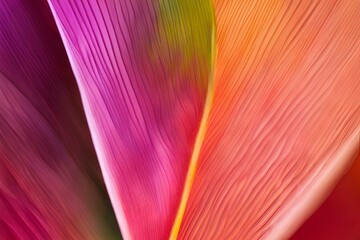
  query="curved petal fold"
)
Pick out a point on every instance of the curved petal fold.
point(339, 216)
point(285, 118)
point(144, 70)
point(50, 182)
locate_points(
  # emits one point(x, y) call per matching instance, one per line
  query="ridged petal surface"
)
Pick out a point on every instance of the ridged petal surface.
point(143, 68)
point(50, 182)
point(285, 119)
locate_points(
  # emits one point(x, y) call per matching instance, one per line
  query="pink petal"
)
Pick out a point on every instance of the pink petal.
point(143, 68)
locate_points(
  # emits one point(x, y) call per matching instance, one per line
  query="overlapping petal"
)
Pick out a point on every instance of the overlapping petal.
point(339, 216)
point(285, 119)
point(248, 156)
point(144, 70)
point(50, 182)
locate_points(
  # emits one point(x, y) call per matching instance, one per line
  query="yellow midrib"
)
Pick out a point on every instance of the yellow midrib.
point(198, 143)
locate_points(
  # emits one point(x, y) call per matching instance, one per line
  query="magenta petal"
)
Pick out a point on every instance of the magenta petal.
point(143, 69)
point(50, 183)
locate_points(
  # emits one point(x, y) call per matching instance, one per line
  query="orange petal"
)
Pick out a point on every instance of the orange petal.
point(285, 118)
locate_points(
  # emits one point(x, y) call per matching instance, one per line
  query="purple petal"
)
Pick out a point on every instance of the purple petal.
point(50, 183)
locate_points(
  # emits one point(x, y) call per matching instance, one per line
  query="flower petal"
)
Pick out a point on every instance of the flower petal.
point(143, 68)
point(50, 181)
point(285, 118)
point(339, 216)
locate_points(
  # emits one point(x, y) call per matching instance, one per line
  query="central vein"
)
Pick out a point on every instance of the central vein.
point(198, 143)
